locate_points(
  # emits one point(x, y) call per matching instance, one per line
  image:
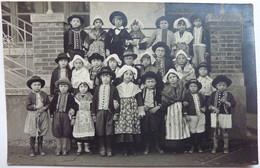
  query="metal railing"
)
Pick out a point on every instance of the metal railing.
point(14, 52)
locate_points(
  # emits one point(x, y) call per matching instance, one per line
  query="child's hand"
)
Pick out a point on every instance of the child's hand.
point(86, 45)
point(206, 54)
point(187, 118)
point(214, 109)
point(71, 112)
point(141, 111)
point(116, 104)
point(185, 104)
point(155, 109)
point(116, 117)
point(107, 52)
point(51, 119)
point(72, 123)
point(146, 108)
point(94, 118)
point(228, 103)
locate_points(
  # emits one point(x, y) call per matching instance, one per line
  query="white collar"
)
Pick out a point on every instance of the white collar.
point(118, 27)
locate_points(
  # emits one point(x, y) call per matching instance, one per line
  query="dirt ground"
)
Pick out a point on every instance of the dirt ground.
point(241, 154)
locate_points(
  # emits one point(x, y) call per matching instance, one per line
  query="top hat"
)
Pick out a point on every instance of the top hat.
point(106, 70)
point(120, 14)
point(76, 16)
point(193, 81)
point(62, 56)
point(35, 79)
point(221, 78)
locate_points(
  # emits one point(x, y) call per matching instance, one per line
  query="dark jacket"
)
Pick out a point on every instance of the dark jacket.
point(113, 96)
point(56, 76)
point(205, 39)
point(190, 109)
point(71, 104)
point(31, 101)
point(223, 108)
point(157, 96)
point(116, 43)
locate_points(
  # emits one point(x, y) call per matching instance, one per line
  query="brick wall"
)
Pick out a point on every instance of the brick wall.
point(48, 41)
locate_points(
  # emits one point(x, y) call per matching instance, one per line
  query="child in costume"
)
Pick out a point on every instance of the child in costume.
point(193, 110)
point(105, 110)
point(127, 128)
point(62, 71)
point(162, 34)
point(172, 97)
point(75, 38)
point(97, 38)
point(201, 41)
point(220, 104)
point(183, 66)
point(206, 90)
point(117, 38)
point(182, 37)
point(153, 113)
point(79, 72)
point(113, 62)
point(137, 36)
point(147, 63)
point(63, 110)
point(96, 62)
point(36, 123)
point(84, 130)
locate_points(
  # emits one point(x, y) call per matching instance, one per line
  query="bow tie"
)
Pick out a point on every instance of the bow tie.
point(117, 31)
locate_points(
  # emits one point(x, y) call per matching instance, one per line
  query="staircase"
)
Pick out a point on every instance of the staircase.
point(18, 51)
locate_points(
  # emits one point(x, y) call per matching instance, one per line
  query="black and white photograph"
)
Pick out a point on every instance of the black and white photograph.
point(129, 84)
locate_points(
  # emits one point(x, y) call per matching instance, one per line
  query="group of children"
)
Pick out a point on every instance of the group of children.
point(107, 97)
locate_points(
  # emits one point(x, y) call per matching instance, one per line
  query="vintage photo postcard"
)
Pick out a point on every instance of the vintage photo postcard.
point(125, 84)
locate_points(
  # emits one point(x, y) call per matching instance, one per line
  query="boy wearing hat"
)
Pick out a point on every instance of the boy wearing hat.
point(36, 123)
point(105, 110)
point(152, 105)
point(194, 108)
point(63, 113)
point(96, 61)
point(76, 40)
point(201, 41)
point(117, 38)
point(220, 104)
point(62, 71)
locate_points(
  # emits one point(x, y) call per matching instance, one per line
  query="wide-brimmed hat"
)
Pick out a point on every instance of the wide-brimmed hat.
point(163, 45)
point(193, 81)
point(221, 78)
point(197, 16)
point(149, 74)
point(76, 16)
point(63, 80)
point(115, 56)
point(126, 68)
point(129, 52)
point(181, 52)
point(187, 22)
point(157, 23)
point(97, 17)
point(165, 80)
point(62, 56)
point(76, 57)
point(35, 79)
point(95, 56)
point(118, 13)
point(106, 70)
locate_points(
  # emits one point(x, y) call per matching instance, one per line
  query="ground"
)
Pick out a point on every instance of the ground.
point(242, 153)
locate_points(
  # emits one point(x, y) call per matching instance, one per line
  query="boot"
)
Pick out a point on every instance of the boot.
point(40, 141)
point(79, 151)
point(109, 146)
point(157, 147)
point(102, 150)
point(64, 146)
point(146, 150)
point(132, 148)
point(124, 149)
point(58, 148)
point(32, 146)
point(86, 149)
